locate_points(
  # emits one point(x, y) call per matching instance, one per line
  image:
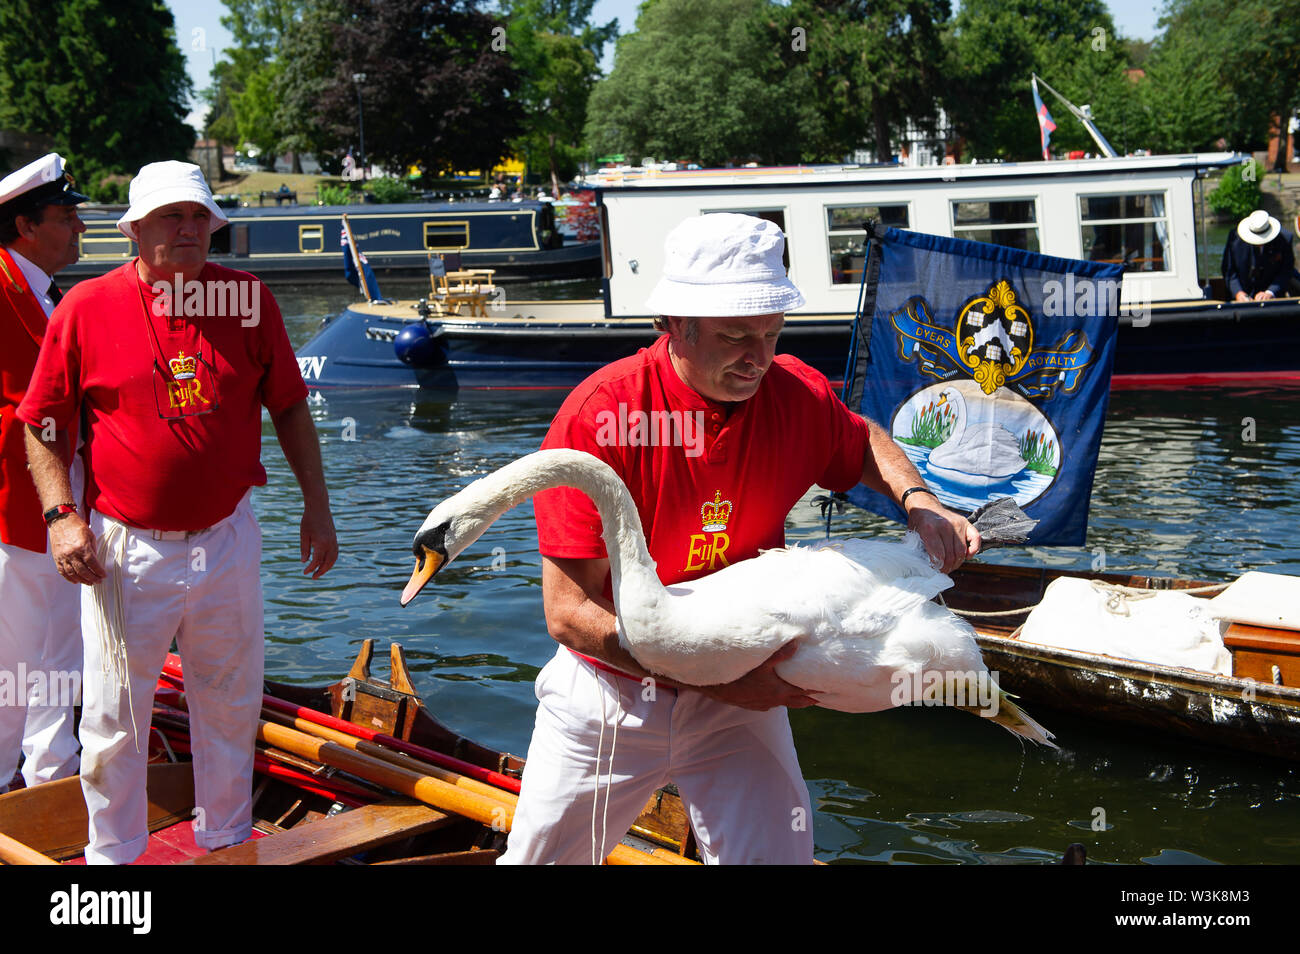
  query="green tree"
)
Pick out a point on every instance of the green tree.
point(437, 93)
point(557, 51)
point(1232, 81)
point(993, 46)
point(702, 80)
point(872, 65)
point(242, 95)
point(106, 81)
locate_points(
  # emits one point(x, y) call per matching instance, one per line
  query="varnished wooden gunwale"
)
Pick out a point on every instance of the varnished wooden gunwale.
point(1242, 712)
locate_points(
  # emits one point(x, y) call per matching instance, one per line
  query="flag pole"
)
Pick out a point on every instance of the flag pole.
point(356, 259)
point(1079, 114)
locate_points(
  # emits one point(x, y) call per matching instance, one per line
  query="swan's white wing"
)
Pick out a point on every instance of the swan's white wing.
point(716, 629)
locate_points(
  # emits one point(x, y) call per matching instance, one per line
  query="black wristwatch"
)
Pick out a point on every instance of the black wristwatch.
point(59, 512)
point(902, 501)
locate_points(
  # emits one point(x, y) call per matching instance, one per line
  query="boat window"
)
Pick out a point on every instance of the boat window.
point(311, 238)
point(104, 241)
point(1132, 230)
point(443, 235)
point(846, 236)
point(1010, 222)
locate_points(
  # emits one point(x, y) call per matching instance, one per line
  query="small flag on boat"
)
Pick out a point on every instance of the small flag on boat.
point(1045, 124)
point(370, 288)
point(990, 366)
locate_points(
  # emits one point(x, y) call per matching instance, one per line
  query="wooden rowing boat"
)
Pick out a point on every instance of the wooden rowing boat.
point(1255, 710)
point(356, 773)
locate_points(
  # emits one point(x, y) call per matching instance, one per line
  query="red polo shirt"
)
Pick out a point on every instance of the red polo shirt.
point(147, 465)
point(707, 496)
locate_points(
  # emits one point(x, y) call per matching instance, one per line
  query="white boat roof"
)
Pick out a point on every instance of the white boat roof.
point(821, 175)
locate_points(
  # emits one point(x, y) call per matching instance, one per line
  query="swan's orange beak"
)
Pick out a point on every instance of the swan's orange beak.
point(426, 565)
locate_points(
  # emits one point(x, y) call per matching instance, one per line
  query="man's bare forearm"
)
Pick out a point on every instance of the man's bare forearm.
point(581, 620)
point(886, 468)
point(296, 432)
point(49, 462)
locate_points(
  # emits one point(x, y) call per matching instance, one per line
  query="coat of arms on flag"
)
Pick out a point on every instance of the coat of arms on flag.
point(990, 366)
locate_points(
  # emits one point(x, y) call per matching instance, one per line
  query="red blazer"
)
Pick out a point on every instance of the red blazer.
point(22, 326)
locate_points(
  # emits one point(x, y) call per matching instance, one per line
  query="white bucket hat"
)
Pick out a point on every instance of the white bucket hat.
point(1258, 228)
point(163, 183)
point(724, 265)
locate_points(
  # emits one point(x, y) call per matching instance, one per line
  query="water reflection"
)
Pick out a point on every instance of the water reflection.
point(1183, 487)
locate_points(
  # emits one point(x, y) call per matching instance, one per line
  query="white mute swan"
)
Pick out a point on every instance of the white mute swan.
point(975, 455)
point(869, 638)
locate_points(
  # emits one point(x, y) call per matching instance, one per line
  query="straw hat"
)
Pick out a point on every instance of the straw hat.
point(1258, 228)
point(164, 183)
point(724, 265)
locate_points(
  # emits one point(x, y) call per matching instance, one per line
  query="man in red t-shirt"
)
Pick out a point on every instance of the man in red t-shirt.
point(716, 438)
point(170, 360)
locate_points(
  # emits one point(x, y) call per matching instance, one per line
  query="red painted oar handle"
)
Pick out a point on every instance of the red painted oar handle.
point(172, 669)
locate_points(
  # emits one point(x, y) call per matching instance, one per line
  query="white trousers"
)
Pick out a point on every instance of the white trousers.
point(40, 662)
point(40, 667)
point(736, 771)
point(206, 593)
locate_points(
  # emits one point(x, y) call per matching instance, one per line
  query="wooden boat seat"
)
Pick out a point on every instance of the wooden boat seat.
point(52, 818)
point(339, 836)
point(453, 288)
point(1264, 654)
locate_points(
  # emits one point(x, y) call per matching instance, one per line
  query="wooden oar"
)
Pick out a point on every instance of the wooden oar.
point(487, 810)
point(460, 766)
point(14, 852)
point(399, 759)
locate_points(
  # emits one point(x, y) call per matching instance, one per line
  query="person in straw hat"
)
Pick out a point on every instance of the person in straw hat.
point(171, 359)
point(40, 634)
point(1258, 260)
point(738, 435)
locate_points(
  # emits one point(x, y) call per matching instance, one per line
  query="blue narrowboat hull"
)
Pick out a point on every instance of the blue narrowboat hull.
point(558, 344)
point(357, 349)
point(517, 239)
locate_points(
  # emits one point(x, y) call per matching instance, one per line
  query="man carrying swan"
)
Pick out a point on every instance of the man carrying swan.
point(609, 733)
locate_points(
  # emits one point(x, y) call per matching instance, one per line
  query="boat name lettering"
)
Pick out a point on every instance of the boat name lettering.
point(210, 299)
point(624, 428)
point(74, 907)
point(378, 232)
point(312, 366)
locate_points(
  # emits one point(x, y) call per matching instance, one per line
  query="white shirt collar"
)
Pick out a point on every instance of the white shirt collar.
point(37, 281)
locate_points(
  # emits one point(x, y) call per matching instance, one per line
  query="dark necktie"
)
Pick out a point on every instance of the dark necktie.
point(55, 295)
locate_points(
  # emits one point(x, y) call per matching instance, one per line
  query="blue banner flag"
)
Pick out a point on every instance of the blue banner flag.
point(371, 287)
point(990, 367)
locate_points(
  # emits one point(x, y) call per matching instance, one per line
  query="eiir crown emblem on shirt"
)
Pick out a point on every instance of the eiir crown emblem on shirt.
point(716, 513)
point(182, 367)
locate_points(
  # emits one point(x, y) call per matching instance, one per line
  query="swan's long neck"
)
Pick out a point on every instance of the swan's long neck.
point(621, 525)
point(959, 426)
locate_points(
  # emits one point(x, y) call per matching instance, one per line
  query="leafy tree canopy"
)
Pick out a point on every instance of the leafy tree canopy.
point(702, 80)
point(106, 82)
point(439, 91)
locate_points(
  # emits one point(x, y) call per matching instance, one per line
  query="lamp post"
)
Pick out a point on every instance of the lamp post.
point(360, 78)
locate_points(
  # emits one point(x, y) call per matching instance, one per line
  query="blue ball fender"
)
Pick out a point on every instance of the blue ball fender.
point(418, 347)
